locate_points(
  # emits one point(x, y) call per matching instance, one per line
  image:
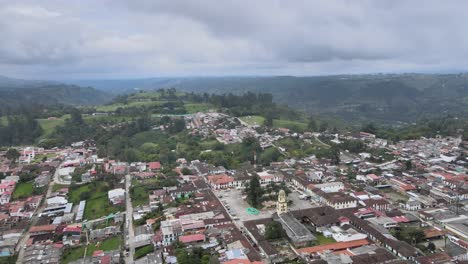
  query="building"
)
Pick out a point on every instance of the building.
point(330, 187)
point(171, 230)
point(282, 203)
point(116, 196)
point(337, 200)
point(221, 181)
point(297, 232)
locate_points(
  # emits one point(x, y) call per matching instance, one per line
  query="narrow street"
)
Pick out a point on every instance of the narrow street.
point(130, 233)
point(20, 248)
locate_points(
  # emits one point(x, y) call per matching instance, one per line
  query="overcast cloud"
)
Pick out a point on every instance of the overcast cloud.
point(127, 39)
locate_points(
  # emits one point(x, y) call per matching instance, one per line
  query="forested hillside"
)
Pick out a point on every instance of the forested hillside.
point(19, 96)
point(382, 98)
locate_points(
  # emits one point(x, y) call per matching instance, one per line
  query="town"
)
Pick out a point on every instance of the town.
point(370, 201)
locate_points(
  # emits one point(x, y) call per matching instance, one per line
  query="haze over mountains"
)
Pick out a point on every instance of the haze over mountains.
point(15, 93)
point(377, 97)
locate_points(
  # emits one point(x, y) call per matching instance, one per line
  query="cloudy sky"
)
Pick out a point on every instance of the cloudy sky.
point(56, 39)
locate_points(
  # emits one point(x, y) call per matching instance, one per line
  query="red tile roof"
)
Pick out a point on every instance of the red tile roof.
point(192, 238)
point(220, 179)
point(155, 165)
point(241, 261)
point(334, 246)
point(42, 228)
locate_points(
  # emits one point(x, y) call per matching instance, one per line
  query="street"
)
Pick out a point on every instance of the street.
point(129, 221)
point(20, 247)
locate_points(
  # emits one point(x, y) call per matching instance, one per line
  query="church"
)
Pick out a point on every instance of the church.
point(298, 234)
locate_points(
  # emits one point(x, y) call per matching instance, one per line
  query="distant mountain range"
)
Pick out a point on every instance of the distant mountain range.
point(377, 97)
point(15, 93)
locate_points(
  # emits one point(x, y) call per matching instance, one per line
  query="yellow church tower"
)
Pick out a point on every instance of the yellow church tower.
point(282, 203)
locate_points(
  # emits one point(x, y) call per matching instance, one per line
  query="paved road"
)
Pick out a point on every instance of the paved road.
point(129, 221)
point(21, 244)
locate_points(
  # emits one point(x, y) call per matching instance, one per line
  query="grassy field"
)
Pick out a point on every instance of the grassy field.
point(48, 125)
point(57, 187)
point(98, 204)
point(139, 196)
point(194, 108)
point(77, 253)
point(38, 158)
point(113, 107)
point(23, 190)
point(140, 193)
point(143, 251)
point(3, 120)
point(323, 240)
point(289, 124)
point(253, 120)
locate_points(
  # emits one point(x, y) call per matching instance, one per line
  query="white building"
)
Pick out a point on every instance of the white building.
point(116, 196)
point(330, 187)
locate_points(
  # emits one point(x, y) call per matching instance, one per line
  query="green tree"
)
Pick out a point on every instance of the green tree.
point(186, 171)
point(255, 192)
point(335, 155)
point(408, 165)
point(312, 124)
point(370, 128)
point(205, 259)
point(431, 247)
point(214, 259)
point(323, 126)
point(274, 230)
point(12, 154)
point(183, 256)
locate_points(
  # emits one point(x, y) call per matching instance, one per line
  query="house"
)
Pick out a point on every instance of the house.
point(337, 200)
point(221, 181)
point(5, 197)
point(195, 238)
point(171, 230)
point(154, 166)
point(42, 229)
point(268, 178)
point(116, 196)
point(56, 200)
point(34, 201)
point(330, 186)
point(7, 186)
point(411, 205)
point(377, 204)
point(333, 247)
point(41, 181)
point(71, 235)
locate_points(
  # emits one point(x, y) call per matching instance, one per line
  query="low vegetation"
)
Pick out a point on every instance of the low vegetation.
point(76, 253)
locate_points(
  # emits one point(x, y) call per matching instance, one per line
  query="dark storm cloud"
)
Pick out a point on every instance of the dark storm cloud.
point(146, 38)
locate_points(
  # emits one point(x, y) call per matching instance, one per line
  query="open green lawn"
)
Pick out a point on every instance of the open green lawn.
point(253, 120)
point(143, 251)
point(23, 190)
point(113, 107)
point(57, 187)
point(289, 124)
point(38, 158)
point(3, 120)
point(98, 204)
point(317, 143)
point(77, 253)
point(323, 240)
point(48, 125)
point(139, 196)
point(194, 108)
point(140, 192)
